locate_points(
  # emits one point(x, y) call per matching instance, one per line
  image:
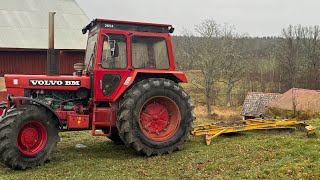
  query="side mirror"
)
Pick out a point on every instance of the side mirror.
point(114, 48)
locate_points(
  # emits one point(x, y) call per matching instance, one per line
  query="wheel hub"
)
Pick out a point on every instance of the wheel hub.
point(159, 118)
point(31, 138)
point(155, 117)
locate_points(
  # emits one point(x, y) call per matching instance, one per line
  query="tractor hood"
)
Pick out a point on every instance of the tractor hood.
point(46, 82)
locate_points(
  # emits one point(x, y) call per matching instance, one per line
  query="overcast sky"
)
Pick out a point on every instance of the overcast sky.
point(256, 17)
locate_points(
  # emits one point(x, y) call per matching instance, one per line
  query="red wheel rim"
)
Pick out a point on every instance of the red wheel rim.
point(31, 138)
point(159, 118)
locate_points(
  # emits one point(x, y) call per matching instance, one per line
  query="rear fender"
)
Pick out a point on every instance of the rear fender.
point(139, 75)
point(48, 108)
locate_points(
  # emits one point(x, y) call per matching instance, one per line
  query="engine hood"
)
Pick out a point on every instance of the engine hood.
point(46, 82)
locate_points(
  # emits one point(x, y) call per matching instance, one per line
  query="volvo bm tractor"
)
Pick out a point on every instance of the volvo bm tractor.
point(127, 89)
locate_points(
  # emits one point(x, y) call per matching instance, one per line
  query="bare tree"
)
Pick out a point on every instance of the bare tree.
point(299, 56)
point(289, 55)
point(204, 51)
point(182, 45)
point(233, 59)
point(311, 49)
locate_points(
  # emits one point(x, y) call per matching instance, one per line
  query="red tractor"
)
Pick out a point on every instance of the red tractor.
point(127, 90)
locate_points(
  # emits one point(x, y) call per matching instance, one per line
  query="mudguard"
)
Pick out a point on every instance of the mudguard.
point(56, 117)
point(177, 76)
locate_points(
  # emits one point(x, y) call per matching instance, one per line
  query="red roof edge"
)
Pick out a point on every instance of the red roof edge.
point(132, 22)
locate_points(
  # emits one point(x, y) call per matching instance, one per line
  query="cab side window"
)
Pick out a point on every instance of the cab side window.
point(149, 52)
point(110, 59)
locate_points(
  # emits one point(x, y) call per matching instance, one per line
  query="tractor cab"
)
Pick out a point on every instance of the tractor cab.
point(123, 44)
point(118, 50)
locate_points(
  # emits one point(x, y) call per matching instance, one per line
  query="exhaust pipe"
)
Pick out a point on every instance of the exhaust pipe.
point(53, 55)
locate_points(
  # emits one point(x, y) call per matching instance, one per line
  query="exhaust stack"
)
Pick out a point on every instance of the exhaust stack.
point(53, 55)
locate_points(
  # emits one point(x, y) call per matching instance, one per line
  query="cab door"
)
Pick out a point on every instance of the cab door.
point(112, 66)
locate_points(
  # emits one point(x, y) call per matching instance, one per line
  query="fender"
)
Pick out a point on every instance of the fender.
point(178, 76)
point(56, 117)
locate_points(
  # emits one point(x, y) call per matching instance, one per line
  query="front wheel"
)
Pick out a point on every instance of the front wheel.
point(155, 117)
point(28, 136)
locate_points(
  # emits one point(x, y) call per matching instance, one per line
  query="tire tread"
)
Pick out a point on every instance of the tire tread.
point(127, 104)
point(8, 151)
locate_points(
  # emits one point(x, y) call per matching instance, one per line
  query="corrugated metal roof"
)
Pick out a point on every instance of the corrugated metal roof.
point(24, 24)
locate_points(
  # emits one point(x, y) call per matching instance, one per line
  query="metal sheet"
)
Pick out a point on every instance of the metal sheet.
point(24, 23)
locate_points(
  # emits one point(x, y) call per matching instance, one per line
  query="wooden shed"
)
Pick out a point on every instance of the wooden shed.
point(255, 104)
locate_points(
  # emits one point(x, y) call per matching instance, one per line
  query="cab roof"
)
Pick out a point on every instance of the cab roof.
point(127, 25)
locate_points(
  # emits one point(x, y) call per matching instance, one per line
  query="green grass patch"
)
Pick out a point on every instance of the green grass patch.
point(246, 155)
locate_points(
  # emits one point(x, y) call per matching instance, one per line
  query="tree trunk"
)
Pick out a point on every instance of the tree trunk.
point(208, 103)
point(209, 116)
point(228, 96)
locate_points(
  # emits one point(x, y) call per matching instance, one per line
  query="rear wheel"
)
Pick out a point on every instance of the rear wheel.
point(27, 137)
point(155, 117)
point(114, 137)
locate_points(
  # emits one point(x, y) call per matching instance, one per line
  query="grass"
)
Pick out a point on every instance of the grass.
point(246, 155)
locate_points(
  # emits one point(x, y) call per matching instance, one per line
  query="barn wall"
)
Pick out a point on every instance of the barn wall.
point(20, 62)
point(3, 95)
point(68, 59)
point(35, 62)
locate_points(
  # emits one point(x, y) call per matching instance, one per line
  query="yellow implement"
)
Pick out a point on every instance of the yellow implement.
point(210, 131)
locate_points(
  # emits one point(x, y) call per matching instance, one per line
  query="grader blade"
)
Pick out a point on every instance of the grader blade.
point(211, 131)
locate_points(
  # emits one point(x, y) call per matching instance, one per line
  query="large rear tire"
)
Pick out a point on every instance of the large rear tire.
point(27, 137)
point(155, 117)
point(114, 137)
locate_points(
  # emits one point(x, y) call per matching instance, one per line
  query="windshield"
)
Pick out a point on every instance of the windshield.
point(90, 52)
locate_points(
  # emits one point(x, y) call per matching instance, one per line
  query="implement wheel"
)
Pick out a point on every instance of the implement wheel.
point(27, 137)
point(155, 117)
